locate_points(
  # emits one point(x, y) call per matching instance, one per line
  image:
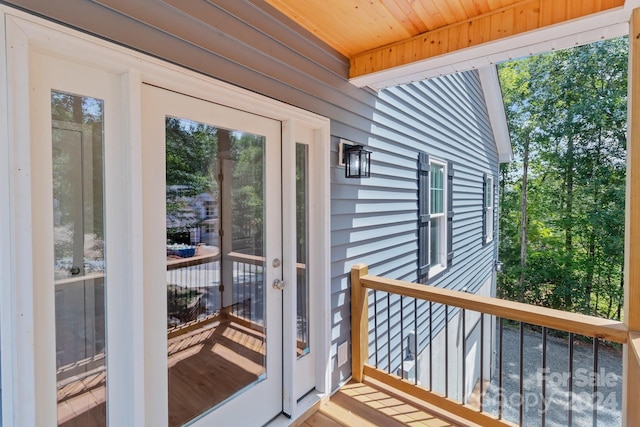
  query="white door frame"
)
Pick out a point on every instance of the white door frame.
point(24, 399)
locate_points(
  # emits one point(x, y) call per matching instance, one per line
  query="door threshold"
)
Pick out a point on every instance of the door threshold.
point(305, 408)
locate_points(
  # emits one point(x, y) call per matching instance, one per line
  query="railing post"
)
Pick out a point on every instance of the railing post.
point(631, 363)
point(359, 322)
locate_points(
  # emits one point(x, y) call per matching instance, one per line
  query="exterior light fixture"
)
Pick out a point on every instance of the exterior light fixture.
point(356, 159)
point(499, 266)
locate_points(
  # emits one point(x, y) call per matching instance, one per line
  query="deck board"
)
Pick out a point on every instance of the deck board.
point(372, 404)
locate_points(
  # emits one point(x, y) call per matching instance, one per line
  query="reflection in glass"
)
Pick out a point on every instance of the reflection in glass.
point(215, 259)
point(79, 269)
point(302, 300)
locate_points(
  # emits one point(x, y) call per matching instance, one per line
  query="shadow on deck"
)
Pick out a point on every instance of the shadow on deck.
point(374, 404)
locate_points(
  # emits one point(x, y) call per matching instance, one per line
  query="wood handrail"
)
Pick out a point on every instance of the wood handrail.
point(361, 281)
point(581, 324)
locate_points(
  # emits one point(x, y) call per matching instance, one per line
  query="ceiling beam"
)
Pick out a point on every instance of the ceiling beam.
point(519, 18)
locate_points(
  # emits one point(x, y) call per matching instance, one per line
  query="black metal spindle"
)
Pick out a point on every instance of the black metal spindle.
point(595, 382)
point(481, 360)
point(570, 421)
point(430, 345)
point(521, 385)
point(500, 357)
point(388, 332)
point(415, 341)
point(375, 325)
point(463, 356)
point(402, 336)
point(446, 351)
point(544, 376)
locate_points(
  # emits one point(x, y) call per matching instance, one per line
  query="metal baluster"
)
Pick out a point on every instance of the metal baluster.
point(375, 325)
point(595, 382)
point(481, 360)
point(500, 356)
point(430, 345)
point(464, 359)
point(521, 385)
point(388, 332)
point(570, 422)
point(402, 335)
point(544, 376)
point(446, 351)
point(415, 339)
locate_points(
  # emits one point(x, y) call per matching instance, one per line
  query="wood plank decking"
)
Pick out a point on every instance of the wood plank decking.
point(373, 404)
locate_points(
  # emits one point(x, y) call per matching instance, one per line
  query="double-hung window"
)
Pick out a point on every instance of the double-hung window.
point(435, 217)
point(437, 227)
point(487, 212)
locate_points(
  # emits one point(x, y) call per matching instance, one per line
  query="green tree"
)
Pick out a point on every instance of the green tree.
point(570, 107)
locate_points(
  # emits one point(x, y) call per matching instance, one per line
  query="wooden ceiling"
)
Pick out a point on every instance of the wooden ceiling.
point(377, 35)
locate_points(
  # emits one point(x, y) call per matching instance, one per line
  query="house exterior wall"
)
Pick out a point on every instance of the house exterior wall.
point(373, 220)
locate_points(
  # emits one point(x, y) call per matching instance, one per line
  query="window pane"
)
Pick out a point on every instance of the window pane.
point(437, 189)
point(488, 195)
point(434, 242)
point(79, 278)
point(302, 267)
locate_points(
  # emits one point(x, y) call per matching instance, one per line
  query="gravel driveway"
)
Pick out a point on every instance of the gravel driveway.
point(608, 379)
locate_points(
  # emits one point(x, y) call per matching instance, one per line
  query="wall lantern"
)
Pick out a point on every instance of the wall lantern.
point(499, 266)
point(355, 159)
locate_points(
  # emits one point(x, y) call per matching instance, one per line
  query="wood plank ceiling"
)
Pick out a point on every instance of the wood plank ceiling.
point(377, 35)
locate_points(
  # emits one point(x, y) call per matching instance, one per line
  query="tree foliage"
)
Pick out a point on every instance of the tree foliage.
point(571, 106)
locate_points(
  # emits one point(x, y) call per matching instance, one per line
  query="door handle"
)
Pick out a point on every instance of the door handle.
point(278, 284)
point(74, 270)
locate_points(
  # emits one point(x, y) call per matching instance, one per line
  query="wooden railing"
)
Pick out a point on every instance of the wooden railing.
point(361, 282)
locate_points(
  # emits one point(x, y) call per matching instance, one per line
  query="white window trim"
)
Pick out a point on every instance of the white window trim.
point(27, 34)
point(442, 218)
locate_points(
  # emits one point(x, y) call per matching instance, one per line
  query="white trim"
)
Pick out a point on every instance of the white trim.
point(124, 249)
point(18, 343)
point(6, 243)
point(23, 401)
point(608, 24)
point(495, 108)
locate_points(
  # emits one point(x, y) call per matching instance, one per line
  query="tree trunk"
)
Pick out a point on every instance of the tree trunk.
point(621, 298)
point(568, 244)
point(568, 224)
point(523, 226)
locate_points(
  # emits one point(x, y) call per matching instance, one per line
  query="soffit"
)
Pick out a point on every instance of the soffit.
point(385, 39)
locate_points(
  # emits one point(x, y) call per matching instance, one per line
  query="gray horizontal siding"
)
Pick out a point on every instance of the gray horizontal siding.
point(244, 42)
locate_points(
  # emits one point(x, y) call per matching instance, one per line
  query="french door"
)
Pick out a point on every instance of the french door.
point(213, 216)
point(148, 250)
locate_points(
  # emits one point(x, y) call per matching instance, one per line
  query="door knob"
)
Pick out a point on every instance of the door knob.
point(278, 284)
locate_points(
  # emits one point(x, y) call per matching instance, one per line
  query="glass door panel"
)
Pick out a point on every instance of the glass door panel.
point(79, 269)
point(302, 250)
point(215, 280)
point(222, 212)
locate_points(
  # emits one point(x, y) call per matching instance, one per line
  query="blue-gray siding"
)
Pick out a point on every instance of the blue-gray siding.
point(374, 221)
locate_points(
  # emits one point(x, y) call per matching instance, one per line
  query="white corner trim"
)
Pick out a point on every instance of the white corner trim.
point(495, 107)
point(604, 25)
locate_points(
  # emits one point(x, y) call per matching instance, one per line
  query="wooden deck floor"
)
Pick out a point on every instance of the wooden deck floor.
point(373, 404)
point(208, 365)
